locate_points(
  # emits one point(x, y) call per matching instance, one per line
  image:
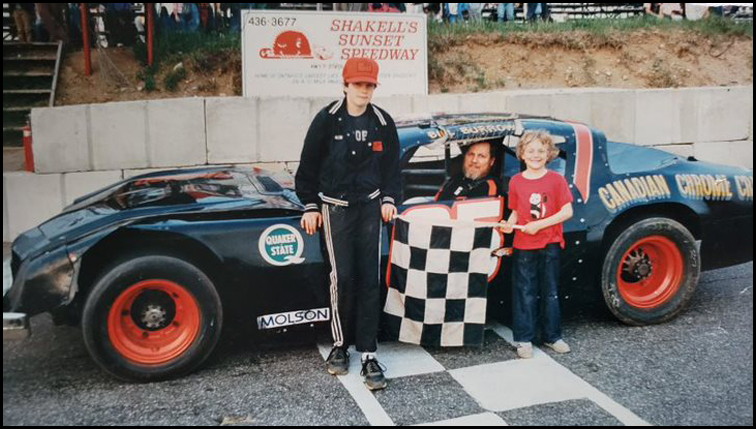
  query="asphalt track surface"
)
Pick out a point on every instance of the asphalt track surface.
point(694, 370)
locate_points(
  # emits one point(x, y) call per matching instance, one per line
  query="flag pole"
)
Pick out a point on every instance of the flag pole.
point(454, 222)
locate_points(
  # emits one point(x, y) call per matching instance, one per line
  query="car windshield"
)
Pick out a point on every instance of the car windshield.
point(629, 158)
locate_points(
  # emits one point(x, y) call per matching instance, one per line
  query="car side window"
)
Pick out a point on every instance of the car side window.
point(424, 171)
point(426, 168)
point(511, 166)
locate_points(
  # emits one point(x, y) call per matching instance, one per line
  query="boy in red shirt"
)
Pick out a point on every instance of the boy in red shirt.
point(540, 201)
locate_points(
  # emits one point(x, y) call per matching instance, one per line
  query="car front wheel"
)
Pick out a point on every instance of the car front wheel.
point(152, 318)
point(650, 271)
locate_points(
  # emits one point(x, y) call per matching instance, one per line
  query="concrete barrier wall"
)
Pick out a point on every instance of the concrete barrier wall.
point(197, 131)
point(79, 149)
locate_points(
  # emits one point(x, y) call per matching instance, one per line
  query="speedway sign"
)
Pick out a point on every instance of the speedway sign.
point(302, 53)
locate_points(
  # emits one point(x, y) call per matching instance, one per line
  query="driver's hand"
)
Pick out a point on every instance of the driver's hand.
point(311, 221)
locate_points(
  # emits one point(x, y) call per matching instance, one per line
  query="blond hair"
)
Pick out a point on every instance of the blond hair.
point(542, 136)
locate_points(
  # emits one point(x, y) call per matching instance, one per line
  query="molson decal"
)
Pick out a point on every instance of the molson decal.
point(298, 317)
point(622, 193)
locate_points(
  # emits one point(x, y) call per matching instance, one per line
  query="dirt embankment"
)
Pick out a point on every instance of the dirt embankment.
point(640, 59)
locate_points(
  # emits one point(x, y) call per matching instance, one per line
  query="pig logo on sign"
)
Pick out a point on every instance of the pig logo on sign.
point(293, 44)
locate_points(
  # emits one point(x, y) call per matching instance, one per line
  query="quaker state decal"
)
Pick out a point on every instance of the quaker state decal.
point(281, 245)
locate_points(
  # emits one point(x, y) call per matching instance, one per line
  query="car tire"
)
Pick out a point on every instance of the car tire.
point(650, 271)
point(152, 318)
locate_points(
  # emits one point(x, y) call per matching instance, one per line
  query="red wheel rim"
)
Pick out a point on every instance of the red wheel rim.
point(153, 322)
point(650, 272)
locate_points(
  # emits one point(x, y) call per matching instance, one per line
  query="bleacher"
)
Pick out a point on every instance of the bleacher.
point(568, 11)
point(740, 13)
point(561, 12)
point(7, 20)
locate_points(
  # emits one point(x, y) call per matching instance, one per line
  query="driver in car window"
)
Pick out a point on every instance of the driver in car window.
point(476, 179)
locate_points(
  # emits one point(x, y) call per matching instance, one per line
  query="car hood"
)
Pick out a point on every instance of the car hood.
point(625, 158)
point(202, 191)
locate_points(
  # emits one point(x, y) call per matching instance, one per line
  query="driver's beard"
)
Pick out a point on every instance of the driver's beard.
point(472, 176)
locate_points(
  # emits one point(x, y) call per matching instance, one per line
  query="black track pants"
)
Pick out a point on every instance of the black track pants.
point(352, 240)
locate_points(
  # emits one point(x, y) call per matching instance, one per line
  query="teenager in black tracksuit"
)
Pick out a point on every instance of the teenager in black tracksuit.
point(348, 180)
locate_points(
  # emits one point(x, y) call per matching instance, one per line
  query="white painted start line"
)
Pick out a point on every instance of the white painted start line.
point(540, 380)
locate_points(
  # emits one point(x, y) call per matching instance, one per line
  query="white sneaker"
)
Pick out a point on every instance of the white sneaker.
point(558, 346)
point(525, 350)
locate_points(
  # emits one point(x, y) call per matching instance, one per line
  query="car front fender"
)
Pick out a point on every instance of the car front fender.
point(43, 283)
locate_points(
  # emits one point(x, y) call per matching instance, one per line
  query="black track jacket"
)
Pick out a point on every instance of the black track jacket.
point(330, 172)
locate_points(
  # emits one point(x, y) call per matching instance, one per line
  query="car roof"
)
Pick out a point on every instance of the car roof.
point(439, 129)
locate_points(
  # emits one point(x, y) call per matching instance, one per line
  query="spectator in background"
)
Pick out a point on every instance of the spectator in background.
point(696, 11)
point(54, 20)
point(673, 11)
point(387, 7)
point(463, 11)
point(538, 11)
point(74, 23)
point(38, 28)
point(652, 9)
point(23, 17)
point(350, 7)
point(415, 7)
point(219, 17)
point(475, 11)
point(139, 24)
point(119, 20)
point(190, 17)
point(452, 12)
point(209, 19)
point(171, 17)
point(434, 11)
point(505, 12)
point(400, 7)
point(234, 25)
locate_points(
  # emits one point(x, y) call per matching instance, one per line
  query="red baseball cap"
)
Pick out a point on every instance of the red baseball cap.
point(360, 70)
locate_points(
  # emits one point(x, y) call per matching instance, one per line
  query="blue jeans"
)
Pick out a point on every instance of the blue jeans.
point(506, 12)
point(536, 276)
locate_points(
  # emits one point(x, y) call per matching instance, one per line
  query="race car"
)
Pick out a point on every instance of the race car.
point(153, 267)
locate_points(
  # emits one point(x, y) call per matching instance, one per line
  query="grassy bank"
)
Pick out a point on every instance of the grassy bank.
point(713, 26)
point(213, 55)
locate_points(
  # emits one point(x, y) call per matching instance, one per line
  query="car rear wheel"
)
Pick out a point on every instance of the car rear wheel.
point(650, 271)
point(152, 318)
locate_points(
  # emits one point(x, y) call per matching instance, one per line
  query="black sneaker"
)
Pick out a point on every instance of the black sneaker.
point(373, 373)
point(338, 361)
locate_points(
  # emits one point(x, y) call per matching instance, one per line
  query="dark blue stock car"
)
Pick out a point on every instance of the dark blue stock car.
point(152, 267)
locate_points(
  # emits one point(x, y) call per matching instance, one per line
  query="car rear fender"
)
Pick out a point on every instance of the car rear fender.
point(681, 213)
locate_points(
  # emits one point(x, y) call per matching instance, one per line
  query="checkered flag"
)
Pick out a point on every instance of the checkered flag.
point(438, 279)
